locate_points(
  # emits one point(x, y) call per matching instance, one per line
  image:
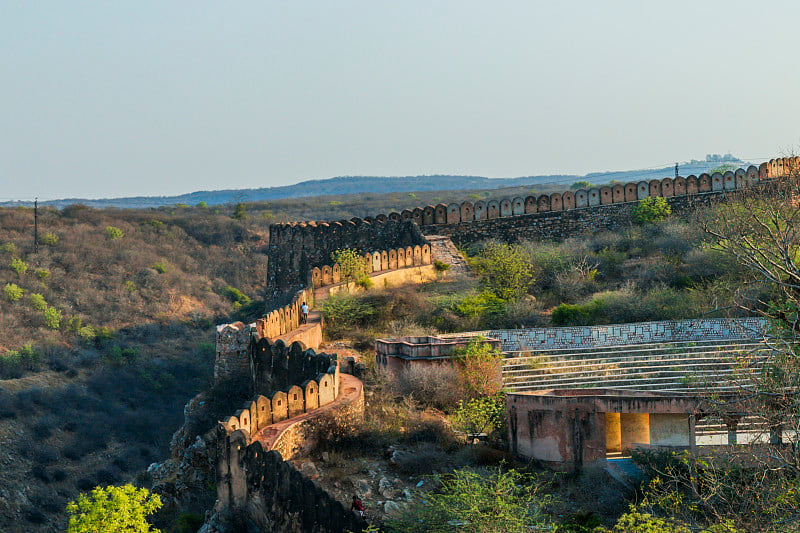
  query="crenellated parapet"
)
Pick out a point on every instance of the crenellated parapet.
point(374, 262)
point(295, 249)
point(456, 213)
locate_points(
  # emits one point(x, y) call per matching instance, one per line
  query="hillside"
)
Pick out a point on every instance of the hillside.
point(110, 331)
point(345, 185)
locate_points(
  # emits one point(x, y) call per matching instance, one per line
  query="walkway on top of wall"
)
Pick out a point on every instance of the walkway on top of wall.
point(350, 390)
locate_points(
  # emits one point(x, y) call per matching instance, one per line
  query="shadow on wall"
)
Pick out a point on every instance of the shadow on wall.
point(268, 492)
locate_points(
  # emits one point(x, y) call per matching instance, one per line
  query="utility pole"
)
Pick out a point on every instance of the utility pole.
point(36, 225)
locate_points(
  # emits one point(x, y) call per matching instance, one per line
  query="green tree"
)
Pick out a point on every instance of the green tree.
point(480, 415)
point(722, 169)
point(240, 211)
point(351, 264)
point(37, 301)
point(468, 501)
point(19, 266)
point(13, 292)
point(650, 210)
point(583, 184)
point(49, 239)
point(42, 273)
point(52, 317)
point(505, 270)
point(114, 233)
point(113, 509)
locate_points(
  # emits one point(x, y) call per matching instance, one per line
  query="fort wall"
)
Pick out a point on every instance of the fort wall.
point(546, 216)
point(296, 249)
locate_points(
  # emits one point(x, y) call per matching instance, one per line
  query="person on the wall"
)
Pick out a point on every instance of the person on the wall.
point(357, 506)
point(304, 311)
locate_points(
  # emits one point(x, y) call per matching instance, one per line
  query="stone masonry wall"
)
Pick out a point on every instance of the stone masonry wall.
point(704, 329)
point(560, 225)
point(296, 249)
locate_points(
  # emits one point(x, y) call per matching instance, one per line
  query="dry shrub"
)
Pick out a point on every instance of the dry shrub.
point(435, 385)
point(423, 459)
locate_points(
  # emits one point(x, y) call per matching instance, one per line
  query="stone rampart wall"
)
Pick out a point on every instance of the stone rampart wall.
point(375, 262)
point(296, 249)
point(263, 411)
point(703, 329)
point(455, 213)
point(257, 488)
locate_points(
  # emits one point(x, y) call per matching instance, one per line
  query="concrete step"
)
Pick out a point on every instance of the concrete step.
point(443, 249)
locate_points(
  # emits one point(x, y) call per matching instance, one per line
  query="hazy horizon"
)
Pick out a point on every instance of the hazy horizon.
point(113, 100)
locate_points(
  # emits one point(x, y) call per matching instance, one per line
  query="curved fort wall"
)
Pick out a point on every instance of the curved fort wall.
point(296, 249)
point(550, 216)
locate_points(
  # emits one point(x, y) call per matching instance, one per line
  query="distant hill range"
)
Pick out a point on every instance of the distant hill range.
point(374, 184)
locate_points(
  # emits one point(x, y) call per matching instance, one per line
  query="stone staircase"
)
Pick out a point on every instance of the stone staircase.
point(443, 249)
point(681, 366)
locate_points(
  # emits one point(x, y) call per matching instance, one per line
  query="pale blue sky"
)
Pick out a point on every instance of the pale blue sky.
point(102, 99)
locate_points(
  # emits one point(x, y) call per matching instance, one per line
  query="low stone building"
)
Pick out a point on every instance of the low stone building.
point(396, 354)
point(575, 427)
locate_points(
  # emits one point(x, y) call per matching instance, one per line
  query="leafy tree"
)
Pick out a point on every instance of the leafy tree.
point(114, 233)
point(19, 266)
point(112, 509)
point(351, 264)
point(49, 239)
point(42, 273)
point(202, 204)
point(469, 501)
point(583, 184)
point(236, 296)
point(52, 318)
point(240, 211)
point(480, 364)
point(483, 304)
point(37, 301)
point(722, 169)
point(13, 292)
point(505, 270)
point(8, 247)
point(651, 210)
point(480, 415)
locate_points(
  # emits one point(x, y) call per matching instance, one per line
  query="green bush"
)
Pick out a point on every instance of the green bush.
point(505, 270)
point(365, 282)
point(9, 248)
point(114, 233)
point(52, 318)
point(37, 301)
point(160, 267)
point(240, 212)
point(49, 239)
point(236, 296)
point(651, 210)
point(343, 311)
point(439, 266)
point(483, 304)
point(13, 292)
point(19, 266)
point(42, 273)
point(579, 314)
point(86, 333)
